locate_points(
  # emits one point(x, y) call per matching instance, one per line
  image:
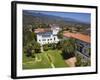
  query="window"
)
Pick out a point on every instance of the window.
point(79, 48)
point(87, 51)
point(43, 39)
point(46, 35)
point(39, 40)
point(54, 38)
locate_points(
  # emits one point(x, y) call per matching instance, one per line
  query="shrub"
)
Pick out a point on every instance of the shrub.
point(29, 52)
point(37, 47)
point(82, 62)
point(53, 46)
point(59, 45)
point(45, 47)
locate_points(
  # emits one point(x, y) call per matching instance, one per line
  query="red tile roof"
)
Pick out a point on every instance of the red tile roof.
point(41, 30)
point(79, 36)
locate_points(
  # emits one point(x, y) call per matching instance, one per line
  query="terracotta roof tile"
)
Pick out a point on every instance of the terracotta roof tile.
point(79, 36)
point(41, 30)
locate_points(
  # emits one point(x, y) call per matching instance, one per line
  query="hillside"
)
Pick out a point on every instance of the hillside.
point(32, 18)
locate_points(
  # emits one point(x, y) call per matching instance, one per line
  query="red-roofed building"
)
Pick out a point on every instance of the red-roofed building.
point(78, 36)
point(83, 42)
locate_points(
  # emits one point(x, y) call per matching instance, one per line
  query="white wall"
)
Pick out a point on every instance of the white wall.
point(5, 41)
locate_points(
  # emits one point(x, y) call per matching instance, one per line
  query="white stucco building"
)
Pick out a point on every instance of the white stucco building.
point(47, 35)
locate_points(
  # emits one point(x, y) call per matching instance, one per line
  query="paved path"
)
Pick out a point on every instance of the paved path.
point(50, 60)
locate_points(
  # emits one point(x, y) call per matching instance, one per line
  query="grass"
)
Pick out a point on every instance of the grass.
point(44, 60)
point(32, 64)
point(56, 58)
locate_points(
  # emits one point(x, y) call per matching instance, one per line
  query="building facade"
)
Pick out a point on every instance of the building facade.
point(83, 45)
point(47, 35)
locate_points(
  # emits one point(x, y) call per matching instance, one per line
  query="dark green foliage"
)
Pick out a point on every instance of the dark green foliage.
point(79, 62)
point(28, 35)
point(33, 54)
point(30, 46)
point(60, 34)
point(45, 47)
point(49, 45)
point(82, 62)
point(60, 45)
point(68, 48)
point(89, 51)
point(37, 47)
point(53, 46)
point(29, 51)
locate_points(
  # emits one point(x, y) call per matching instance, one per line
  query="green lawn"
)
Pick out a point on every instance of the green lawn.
point(44, 60)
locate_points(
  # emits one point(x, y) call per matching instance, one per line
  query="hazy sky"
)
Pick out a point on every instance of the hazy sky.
point(83, 17)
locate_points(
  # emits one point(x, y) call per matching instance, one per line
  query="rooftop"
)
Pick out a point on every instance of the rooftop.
point(42, 30)
point(78, 36)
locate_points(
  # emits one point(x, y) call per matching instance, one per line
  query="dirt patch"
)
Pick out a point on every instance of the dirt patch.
point(71, 61)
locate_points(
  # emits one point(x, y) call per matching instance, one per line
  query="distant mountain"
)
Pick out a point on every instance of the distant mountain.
point(30, 18)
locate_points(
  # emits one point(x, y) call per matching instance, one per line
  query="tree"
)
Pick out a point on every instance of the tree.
point(68, 51)
point(28, 36)
point(60, 34)
point(69, 48)
point(36, 47)
point(59, 45)
point(53, 46)
point(45, 47)
point(29, 51)
point(79, 62)
point(82, 62)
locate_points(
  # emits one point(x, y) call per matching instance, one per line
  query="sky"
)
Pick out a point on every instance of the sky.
point(82, 17)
